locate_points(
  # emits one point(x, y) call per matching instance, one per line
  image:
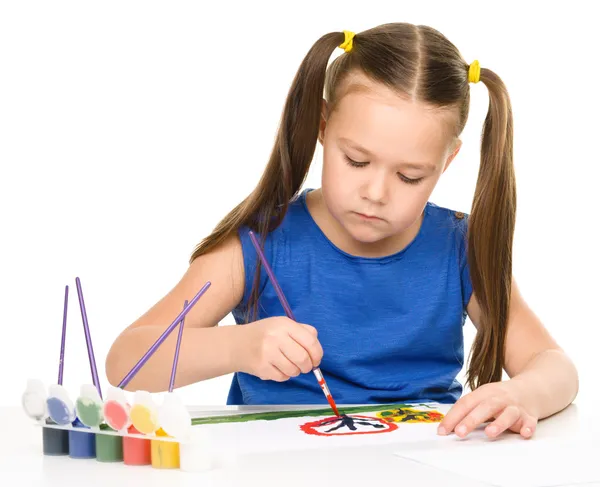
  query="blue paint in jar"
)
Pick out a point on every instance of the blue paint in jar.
point(82, 444)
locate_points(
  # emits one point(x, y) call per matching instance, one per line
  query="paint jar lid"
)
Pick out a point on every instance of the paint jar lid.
point(90, 391)
point(36, 385)
point(174, 417)
point(34, 400)
point(62, 410)
point(144, 398)
point(116, 394)
point(58, 391)
point(116, 414)
point(89, 408)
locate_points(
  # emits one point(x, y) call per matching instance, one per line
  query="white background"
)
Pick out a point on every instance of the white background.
point(128, 129)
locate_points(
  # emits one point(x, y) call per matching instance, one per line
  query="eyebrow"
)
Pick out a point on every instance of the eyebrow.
point(413, 165)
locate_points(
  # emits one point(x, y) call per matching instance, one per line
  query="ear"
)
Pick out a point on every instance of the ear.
point(453, 154)
point(323, 121)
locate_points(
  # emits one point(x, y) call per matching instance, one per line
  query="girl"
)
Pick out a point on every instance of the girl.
point(379, 278)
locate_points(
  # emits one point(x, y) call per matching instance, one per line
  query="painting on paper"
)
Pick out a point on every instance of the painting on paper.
point(319, 427)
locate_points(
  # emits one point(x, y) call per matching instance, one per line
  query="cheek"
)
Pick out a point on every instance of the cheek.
point(410, 203)
point(336, 178)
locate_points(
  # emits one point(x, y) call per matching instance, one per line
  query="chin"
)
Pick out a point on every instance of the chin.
point(366, 235)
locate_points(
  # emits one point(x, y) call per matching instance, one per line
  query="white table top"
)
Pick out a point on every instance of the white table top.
point(20, 453)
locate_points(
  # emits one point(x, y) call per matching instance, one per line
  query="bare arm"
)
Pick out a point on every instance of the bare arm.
point(206, 350)
point(533, 358)
point(543, 380)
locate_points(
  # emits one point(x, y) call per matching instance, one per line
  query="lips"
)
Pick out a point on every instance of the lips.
point(368, 217)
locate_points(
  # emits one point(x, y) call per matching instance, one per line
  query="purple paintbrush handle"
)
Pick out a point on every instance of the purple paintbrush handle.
point(162, 338)
point(88, 338)
point(278, 290)
point(176, 357)
point(61, 360)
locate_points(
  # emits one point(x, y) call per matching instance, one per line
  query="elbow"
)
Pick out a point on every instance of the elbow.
point(117, 363)
point(122, 357)
point(574, 379)
point(111, 365)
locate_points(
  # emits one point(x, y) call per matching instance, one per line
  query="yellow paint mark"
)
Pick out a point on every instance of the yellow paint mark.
point(409, 415)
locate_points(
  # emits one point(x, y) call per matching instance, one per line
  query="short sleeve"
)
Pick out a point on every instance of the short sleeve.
point(465, 276)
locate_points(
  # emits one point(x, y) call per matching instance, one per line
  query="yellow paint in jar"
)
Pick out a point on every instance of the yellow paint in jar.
point(165, 454)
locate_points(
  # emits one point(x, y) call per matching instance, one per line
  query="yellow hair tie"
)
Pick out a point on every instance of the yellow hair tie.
point(347, 44)
point(474, 71)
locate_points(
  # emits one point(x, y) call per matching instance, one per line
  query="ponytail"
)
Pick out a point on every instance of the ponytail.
point(490, 235)
point(264, 209)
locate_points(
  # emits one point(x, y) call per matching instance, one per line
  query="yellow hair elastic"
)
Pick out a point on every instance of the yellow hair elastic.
point(474, 72)
point(347, 44)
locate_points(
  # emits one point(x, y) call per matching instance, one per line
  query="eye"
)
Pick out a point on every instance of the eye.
point(410, 181)
point(355, 163)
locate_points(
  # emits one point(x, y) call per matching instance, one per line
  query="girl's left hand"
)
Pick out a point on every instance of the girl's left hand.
point(504, 402)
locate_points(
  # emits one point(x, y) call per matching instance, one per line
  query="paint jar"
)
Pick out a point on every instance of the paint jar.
point(109, 448)
point(82, 444)
point(195, 452)
point(165, 454)
point(136, 451)
point(55, 442)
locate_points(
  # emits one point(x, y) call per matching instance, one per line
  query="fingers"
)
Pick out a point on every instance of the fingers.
point(284, 365)
point(504, 420)
point(297, 356)
point(496, 403)
point(529, 426)
point(459, 411)
point(275, 374)
point(487, 409)
point(525, 426)
point(306, 337)
point(506, 417)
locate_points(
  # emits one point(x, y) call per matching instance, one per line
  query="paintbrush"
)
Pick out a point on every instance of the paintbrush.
point(162, 338)
point(290, 315)
point(173, 416)
point(176, 356)
point(88, 338)
point(61, 360)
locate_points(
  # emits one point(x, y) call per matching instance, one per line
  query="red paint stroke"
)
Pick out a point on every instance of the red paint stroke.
point(310, 428)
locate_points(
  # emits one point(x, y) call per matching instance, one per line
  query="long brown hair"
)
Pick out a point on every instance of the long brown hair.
point(419, 62)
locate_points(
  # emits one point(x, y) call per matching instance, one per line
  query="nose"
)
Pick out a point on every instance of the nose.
point(375, 188)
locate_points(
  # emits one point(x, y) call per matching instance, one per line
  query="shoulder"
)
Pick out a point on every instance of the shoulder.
point(293, 220)
point(448, 222)
point(448, 237)
point(289, 236)
point(447, 215)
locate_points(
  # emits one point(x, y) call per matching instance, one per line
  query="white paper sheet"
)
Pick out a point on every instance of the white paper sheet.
point(512, 461)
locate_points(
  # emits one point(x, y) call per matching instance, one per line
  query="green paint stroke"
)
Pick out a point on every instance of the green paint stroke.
point(273, 415)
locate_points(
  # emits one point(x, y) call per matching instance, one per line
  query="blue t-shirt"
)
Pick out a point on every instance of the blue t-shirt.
point(391, 328)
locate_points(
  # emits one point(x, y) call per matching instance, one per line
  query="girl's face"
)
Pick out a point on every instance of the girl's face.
point(382, 157)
